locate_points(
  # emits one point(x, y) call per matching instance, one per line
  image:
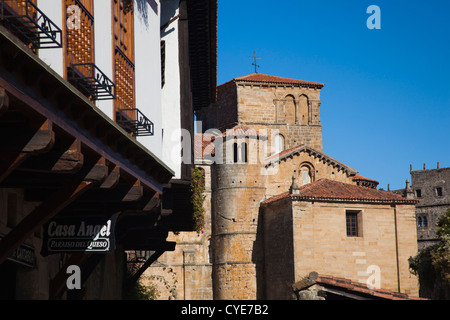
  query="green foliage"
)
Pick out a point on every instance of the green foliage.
point(432, 264)
point(441, 255)
point(141, 292)
point(198, 198)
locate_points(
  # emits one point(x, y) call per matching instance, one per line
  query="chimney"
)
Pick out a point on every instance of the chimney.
point(409, 193)
point(294, 187)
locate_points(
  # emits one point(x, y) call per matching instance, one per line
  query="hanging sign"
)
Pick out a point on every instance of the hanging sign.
point(23, 255)
point(82, 234)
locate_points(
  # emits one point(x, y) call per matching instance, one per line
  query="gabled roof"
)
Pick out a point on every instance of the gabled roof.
point(350, 289)
point(283, 155)
point(274, 80)
point(334, 191)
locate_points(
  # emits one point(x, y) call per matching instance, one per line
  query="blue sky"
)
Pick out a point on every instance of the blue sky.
point(386, 100)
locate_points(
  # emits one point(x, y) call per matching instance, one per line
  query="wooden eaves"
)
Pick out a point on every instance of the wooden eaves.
point(72, 160)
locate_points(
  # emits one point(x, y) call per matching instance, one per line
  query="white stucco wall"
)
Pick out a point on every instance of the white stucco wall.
point(103, 47)
point(171, 102)
point(53, 57)
point(148, 71)
point(147, 24)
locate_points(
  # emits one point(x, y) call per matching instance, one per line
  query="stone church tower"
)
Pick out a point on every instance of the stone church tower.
point(288, 111)
point(268, 102)
point(277, 207)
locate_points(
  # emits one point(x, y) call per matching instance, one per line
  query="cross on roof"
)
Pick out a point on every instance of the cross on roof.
point(254, 63)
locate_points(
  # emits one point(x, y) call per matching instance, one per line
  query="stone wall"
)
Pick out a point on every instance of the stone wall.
point(321, 244)
point(293, 111)
point(186, 273)
point(431, 205)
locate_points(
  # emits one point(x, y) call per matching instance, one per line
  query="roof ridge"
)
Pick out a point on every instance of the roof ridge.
point(266, 78)
point(278, 157)
point(331, 190)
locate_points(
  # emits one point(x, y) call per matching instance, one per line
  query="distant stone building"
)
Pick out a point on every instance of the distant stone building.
point(432, 188)
point(278, 208)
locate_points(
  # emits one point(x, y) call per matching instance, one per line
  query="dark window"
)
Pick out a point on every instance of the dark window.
point(352, 224)
point(235, 152)
point(163, 63)
point(419, 193)
point(439, 191)
point(422, 221)
point(244, 152)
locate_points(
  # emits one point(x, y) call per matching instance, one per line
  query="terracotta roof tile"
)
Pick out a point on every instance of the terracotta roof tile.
point(358, 177)
point(358, 287)
point(265, 78)
point(329, 190)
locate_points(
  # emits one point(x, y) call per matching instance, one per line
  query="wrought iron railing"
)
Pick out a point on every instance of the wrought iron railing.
point(133, 120)
point(91, 81)
point(30, 24)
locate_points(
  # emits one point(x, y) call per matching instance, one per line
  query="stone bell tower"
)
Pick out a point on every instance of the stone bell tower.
point(269, 102)
point(288, 112)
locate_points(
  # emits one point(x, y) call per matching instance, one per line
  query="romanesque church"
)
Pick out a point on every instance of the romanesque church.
point(279, 209)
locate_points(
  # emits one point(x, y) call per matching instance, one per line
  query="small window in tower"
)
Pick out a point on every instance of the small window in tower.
point(419, 222)
point(425, 222)
point(279, 143)
point(305, 175)
point(419, 193)
point(244, 152)
point(439, 191)
point(235, 153)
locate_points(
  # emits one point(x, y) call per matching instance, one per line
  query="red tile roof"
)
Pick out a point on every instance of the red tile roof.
point(358, 177)
point(268, 79)
point(363, 288)
point(329, 190)
point(203, 145)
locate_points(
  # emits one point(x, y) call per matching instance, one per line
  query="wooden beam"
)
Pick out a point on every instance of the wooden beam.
point(41, 215)
point(42, 141)
point(135, 277)
point(49, 209)
point(63, 158)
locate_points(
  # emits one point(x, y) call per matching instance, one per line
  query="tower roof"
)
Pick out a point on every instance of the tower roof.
point(274, 80)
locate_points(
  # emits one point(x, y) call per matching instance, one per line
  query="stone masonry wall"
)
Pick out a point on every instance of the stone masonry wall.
point(431, 204)
point(280, 108)
point(321, 243)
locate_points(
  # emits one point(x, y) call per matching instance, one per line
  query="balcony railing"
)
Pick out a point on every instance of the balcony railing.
point(133, 120)
point(30, 24)
point(91, 81)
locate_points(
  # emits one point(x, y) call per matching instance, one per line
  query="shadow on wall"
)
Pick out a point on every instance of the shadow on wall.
point(142, 7)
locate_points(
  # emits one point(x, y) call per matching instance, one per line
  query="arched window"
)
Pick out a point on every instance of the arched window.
point(290, 110)
point(243, 150)
point(303, 110)
point(419, 221)
point(235, 153)
point(306, 173)
point(425, 222)
point(279, 143)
